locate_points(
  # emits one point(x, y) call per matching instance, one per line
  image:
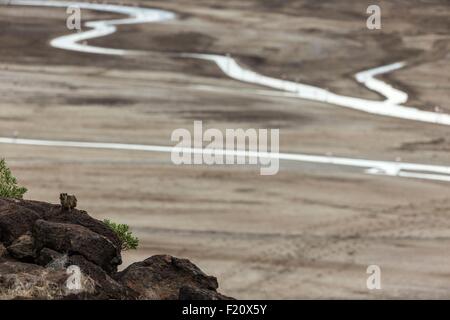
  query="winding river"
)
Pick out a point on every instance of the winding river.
point(391, 106)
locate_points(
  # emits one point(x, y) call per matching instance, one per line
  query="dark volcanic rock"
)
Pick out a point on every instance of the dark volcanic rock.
point(3, 251)
point(161, 277)
point(15, 220)
point(48, 256)
point(22, 248)
point(76, 239)
point(81, 218)
point(19, 267)
point(41, 246)
point(18, 216)
point(105, 286)
point(191, 293)
point(20, 280)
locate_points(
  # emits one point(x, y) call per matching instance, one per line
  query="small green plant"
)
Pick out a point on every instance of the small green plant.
point(127, 239)
point(8, 183)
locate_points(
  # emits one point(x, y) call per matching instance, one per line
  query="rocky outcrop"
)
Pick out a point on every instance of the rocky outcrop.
point(161, 277)
point(76, 239)
point(193, 293)
point(20, 280)
point(39, 241)
point(23, 248)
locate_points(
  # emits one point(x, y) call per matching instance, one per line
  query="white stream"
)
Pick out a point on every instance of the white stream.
point(389, 107)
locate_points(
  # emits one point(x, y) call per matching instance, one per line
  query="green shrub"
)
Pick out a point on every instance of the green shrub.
point(8, 184)
point(123, 232)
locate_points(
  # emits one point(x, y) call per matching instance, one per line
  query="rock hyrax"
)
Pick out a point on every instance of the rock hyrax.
point(68, 202)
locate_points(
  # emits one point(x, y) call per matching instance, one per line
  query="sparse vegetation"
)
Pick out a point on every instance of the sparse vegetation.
point(126, 237)
point(8, 183)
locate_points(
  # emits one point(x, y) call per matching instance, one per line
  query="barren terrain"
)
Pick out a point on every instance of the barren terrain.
point(308, 232)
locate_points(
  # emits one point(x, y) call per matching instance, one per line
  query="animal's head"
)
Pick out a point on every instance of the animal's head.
point(63, 196)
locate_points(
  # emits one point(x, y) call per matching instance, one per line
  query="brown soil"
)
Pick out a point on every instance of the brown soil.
point(308, 232)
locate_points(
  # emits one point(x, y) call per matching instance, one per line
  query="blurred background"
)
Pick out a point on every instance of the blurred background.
point(308, 232)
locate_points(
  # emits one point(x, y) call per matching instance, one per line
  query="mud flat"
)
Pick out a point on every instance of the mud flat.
point(309, 231)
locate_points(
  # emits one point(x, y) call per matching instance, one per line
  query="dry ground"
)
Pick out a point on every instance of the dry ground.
point(308, 232)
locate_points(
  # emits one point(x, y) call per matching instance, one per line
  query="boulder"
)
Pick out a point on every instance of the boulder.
point(30, 281)
point(191, 293)
point(18, 217)
point(75, 239)
point(15, 220)
point(81, 218)
point(49, 257)
point(3, 251)
point(105, 287)
point(22, 248)
point(161, 277)
point(19, 267)
point(39, 243)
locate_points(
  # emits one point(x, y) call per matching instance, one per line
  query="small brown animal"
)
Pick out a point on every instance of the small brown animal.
point(68, 202)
